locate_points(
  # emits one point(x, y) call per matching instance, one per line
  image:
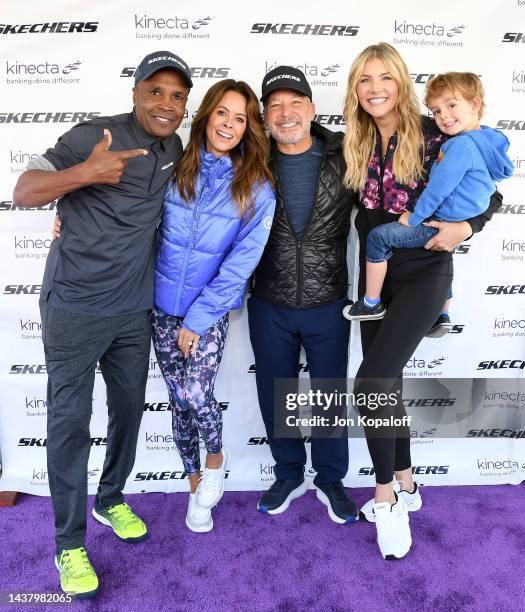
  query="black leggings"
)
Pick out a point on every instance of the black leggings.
point(414, 292)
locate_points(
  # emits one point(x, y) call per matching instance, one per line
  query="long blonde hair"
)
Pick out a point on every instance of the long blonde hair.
point(360, 137)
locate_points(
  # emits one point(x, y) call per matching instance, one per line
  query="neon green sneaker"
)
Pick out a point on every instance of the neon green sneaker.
point(77, 576)
point(124, 522)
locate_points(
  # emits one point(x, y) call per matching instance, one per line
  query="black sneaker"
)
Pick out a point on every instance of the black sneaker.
point(359, 311)
point(441, 327)
point(280, 495)
point(341, 508)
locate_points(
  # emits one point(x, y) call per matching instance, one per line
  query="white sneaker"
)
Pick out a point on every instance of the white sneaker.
point(198, 519)
point(393, 529)
point(412, 500)
point(211, 485)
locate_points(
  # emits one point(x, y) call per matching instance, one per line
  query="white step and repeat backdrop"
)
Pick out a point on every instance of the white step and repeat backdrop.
point(63, 61)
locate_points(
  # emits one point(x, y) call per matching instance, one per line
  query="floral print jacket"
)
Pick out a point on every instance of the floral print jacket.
point(382, 191)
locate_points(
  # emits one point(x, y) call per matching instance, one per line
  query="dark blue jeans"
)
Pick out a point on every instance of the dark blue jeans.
point(382, 239)
point(277, 334)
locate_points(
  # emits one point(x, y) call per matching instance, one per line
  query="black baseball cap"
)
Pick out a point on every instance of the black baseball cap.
point(160, 60)
point(285, 77)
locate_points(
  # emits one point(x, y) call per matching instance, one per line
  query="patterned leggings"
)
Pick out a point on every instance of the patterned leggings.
point(190, 385)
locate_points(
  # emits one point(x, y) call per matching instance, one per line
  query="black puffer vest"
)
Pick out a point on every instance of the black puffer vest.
point(312, 271)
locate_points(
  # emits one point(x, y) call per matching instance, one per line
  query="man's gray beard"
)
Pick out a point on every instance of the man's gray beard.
point(292, 138)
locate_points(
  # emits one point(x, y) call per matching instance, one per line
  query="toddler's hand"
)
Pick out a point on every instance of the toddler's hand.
point(403, 219)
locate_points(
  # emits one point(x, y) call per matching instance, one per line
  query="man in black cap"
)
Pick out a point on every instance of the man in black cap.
point(301, 286)
point(109, 176)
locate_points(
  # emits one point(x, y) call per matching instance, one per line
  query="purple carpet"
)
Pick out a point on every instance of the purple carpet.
point(468, 554)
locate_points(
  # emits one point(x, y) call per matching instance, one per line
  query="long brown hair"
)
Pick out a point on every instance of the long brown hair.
point(360, 136)
point(249, 157)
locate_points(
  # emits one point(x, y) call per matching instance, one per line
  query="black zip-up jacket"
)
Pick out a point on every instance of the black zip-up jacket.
point(312, 271)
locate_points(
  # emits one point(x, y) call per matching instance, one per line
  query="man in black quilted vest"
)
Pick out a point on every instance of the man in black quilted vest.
point(301, 286)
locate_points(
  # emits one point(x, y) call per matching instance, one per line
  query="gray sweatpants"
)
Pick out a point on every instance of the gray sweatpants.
point(73, 344)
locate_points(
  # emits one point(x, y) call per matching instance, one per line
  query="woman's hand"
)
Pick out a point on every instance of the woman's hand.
point(55, 230)
point(449, 236)
point(403, 219)
point(188, 341)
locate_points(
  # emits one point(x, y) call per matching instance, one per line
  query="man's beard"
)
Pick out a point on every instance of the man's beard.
point(289, 139)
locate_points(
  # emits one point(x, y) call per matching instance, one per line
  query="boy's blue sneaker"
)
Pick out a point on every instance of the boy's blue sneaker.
point(441, 327)
point(359, 311)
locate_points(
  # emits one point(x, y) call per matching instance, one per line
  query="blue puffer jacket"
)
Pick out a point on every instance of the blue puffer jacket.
point(206, 252)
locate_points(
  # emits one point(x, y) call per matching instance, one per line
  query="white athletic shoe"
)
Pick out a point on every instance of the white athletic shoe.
point(412, 500)
point(393, 529)
point(211, 485)
point(198, 519)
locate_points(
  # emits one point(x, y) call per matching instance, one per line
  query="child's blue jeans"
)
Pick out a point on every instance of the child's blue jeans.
point(383, 238)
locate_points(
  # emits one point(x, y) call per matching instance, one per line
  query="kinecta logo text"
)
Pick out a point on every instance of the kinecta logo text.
point(19, 160)
point(39, 476)
point(317, 74)
point(511, 124)
point(30, 330)
point(496, 433)
point(502, 364)
point(504, 399)
point(173, 26)
point(423, 437)
point(427, 34)
point(499, 467)
point(157, 441)
point(9, 205)
point(422, 367)
point(518, 81)
point(20, 73)
point(512, 250)
point(304, 29)
point(31, 248)
point(197, 72)
point(21, 68)
point(508, 328)
point(519, 168)
point(436, 470)
point(35, 406)
point(45, 117)
point(56, 27)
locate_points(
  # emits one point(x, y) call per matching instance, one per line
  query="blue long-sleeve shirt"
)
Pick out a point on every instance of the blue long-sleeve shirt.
point(464, 176)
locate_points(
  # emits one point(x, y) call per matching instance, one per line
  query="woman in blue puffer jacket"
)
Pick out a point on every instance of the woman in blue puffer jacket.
point(218, 212)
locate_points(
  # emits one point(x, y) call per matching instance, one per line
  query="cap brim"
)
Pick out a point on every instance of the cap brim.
point(273, 88)
point(188, 81)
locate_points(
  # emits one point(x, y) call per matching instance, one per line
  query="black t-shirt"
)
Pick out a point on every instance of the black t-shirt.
point(103, 263)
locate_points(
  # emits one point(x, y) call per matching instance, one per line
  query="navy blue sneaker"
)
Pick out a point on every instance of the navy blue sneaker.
point(341, 508)
point(280, 495)
point(441, 327)
point(359, 311)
